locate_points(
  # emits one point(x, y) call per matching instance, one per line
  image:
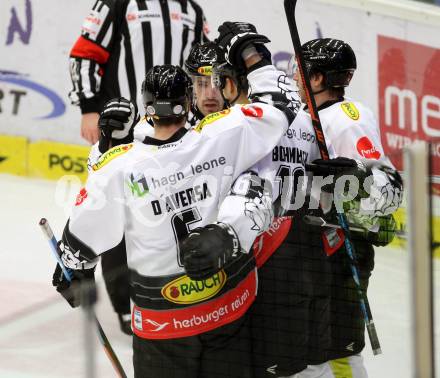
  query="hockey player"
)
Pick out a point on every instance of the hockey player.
point(120, 41)
point(353, 141)
point(156, 192)
point(275, 333)
point(284, 165)
point(207, 99)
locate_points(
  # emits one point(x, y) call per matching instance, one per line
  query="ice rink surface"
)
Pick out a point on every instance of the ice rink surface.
point(41, 336)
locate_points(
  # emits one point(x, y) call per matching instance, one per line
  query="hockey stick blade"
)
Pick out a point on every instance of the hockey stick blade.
point(374, 340)
point(290, 7)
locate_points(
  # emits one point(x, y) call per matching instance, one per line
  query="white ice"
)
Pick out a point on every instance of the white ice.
point(41, 336)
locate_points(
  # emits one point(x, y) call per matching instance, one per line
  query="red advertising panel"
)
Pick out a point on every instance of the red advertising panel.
point(409, 96)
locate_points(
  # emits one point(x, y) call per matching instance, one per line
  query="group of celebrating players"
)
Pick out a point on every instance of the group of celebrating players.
point(213, 191)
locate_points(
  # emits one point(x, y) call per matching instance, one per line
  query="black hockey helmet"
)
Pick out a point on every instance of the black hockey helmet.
point(201, 58)
point(166, 92)
point(334, 58)
point(221, 69)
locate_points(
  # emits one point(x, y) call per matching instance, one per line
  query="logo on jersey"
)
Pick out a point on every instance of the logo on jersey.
point(81, 197)
point(149, 323)
point(110, 155)
point(138, 185)
point(184, 290)
point(94, 21)
point(211, 118)
point(366, 149)
point(157, 327)
point(350, 109)
point(252, 111)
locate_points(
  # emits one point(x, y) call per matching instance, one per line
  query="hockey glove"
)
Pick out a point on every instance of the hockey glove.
point(116, 123)
point(339, 167)
point(385, 234)
point(235, 37)
point(71, 290)
point(208, 249)
point(388, 193)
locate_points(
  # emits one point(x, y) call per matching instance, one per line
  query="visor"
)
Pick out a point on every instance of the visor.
point(219, 70)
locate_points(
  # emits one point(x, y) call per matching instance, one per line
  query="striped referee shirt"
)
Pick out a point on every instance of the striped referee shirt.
point(122, 39)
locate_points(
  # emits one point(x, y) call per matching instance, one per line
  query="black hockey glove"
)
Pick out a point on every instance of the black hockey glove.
point(338, 167)
point(71, 290)
point(116, 123)
point(235, 37)
point(208, 249)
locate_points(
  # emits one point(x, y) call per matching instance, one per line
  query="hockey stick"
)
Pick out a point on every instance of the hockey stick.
point(47, 230)
point(289, 6)
point(321, 222)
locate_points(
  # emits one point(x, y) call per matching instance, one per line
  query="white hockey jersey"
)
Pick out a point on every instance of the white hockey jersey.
point(282, 168)
point(285, 165)
point(351, 131)
point(155, 194)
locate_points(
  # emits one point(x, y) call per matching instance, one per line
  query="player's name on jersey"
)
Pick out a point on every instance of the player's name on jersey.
point(289, 154)
point(181, 199)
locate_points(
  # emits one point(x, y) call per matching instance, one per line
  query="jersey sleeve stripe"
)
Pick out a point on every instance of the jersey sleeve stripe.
point(87, 49)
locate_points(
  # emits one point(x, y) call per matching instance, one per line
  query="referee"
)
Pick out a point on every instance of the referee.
point(120, 41)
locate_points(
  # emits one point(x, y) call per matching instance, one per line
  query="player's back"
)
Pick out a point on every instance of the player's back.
point(177, 188)
point(165, 189)
point(351, 130)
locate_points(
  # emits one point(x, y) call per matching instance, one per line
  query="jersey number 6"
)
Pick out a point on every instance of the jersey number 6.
point(181, 226)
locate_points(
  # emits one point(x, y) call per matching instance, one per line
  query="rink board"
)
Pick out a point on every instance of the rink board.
point(42, 159)
point(13, 155)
